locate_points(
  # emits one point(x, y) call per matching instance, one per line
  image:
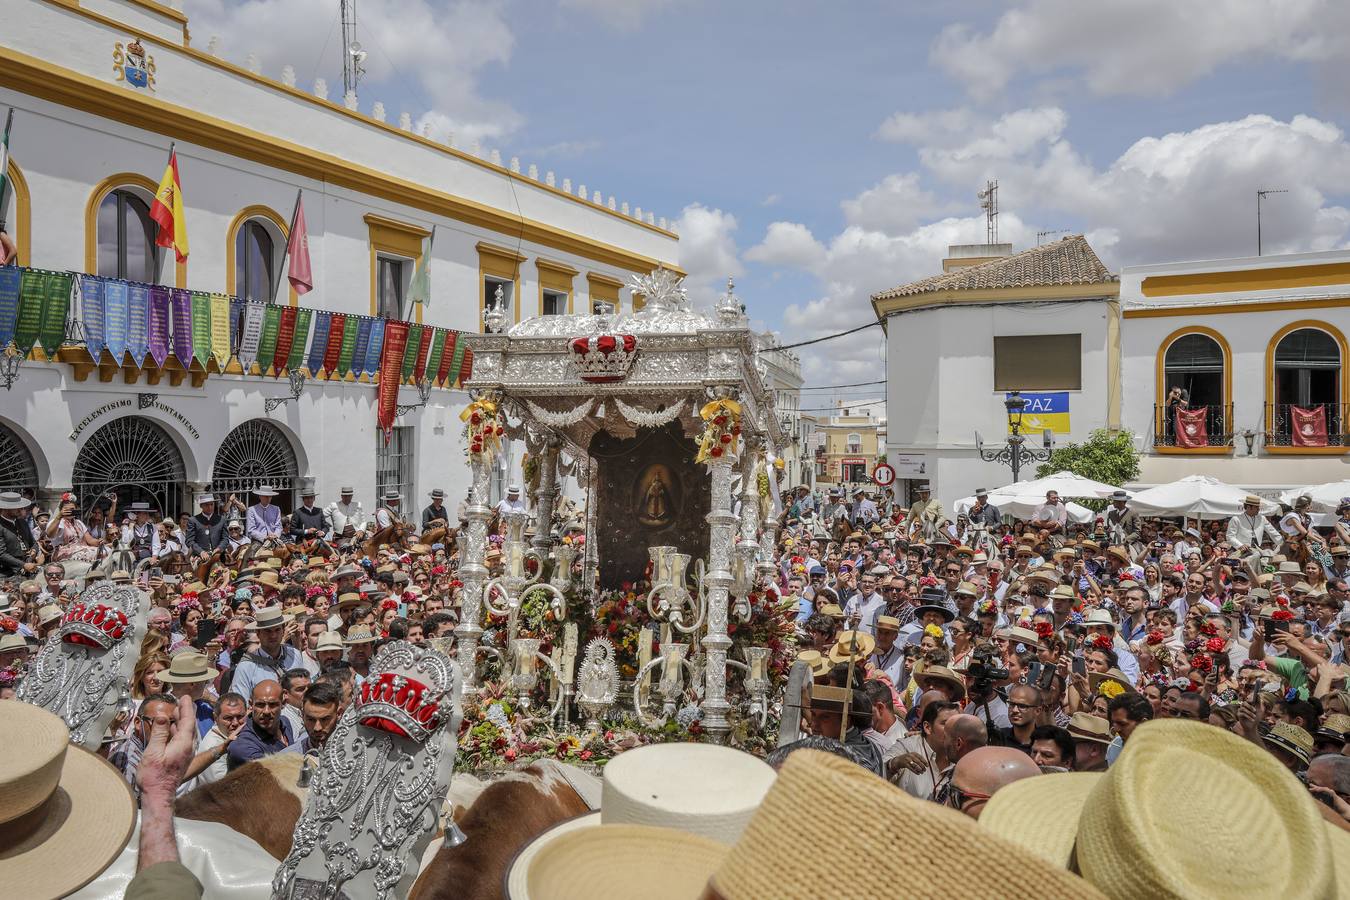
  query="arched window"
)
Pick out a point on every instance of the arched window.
point(255, 261)
point(1307, 368)
point(1194, 363)
point(126, 236)
point(16, 211)
point(854, 442)
point(1195, 373)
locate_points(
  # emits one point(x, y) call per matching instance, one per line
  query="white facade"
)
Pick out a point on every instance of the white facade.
point(940, 389)
point(1244, 306)
point(246, 142)
point(783, 371)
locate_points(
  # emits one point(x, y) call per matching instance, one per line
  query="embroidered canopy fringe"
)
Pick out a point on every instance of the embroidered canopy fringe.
point(644, 419)
point(560, 419)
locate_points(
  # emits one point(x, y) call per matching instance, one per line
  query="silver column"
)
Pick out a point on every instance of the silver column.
point(721, 521)
point(473, 573)
point(546, 497)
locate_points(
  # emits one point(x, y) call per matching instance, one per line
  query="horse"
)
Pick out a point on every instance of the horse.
point(394, 535)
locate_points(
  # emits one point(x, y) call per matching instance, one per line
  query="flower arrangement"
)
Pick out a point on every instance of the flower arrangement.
point(721, 429)
point(483, 429)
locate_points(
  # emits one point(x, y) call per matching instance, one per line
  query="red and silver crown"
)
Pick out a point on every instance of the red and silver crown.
point(604, 357)
point(409, 692)
point(94, 625)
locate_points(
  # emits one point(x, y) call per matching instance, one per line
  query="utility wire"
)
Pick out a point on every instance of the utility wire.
point(828, 337)
point(830, 387)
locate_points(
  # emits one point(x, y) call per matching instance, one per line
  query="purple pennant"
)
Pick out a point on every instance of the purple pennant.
point(182, 326)
point(158, 332)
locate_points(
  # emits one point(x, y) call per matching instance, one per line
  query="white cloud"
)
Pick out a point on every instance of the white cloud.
point(894, 206)
point(431, 53)
point(936, 126)
point(788, 244)
point(622, 15)
point(771, 200)
point(708, 251)
point(1139, 47)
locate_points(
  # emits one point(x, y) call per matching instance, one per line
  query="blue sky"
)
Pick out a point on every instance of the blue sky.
point(823, 151)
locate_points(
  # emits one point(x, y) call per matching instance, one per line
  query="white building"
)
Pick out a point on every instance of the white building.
point(100, 90)
point(1258, 344)
point(783, 371)
point(1043, 321)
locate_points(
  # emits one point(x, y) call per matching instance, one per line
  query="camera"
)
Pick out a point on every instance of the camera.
point(985, 668)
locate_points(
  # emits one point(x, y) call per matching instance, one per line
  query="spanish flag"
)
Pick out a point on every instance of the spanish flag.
point(167, 211)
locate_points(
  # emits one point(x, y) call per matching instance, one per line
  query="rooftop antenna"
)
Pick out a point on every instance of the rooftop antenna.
point(1261, 195)
point(989, 203)
point(1041, 235)
point(352, 53)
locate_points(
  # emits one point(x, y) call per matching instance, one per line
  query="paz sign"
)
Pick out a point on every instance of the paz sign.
point(883, 475)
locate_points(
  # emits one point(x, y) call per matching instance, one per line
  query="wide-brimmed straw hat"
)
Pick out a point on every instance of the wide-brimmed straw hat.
point(14, 500)
point(49, 613)
point(329, 640)
point(1024, 636)
point(1120, 681)
point(348, 600)
point(668, 814)
point(269, 617)
point(820, 665)
point(940, 674)
point(1292, 739)
point(65, 813)
point(1131, 830)
point(264, 490)
point(189, 667)
point(857, 644)
point(1087, 727)
point(360, 634)
point(770, 859)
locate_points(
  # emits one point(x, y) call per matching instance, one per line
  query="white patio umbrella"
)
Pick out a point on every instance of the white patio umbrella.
point(1197, 496)
point(1022, 507)
point(1067, 484)
point(1325, 497)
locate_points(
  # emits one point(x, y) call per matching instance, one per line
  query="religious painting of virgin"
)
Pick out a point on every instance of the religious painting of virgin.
point(656, 496)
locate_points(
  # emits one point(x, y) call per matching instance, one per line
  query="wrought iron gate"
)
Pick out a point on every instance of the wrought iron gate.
point(256, 452)
point(134, 457)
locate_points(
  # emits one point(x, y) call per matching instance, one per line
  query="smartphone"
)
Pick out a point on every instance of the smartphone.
point(156, 572)
point(1272, 627)
point(173, 579)
point(207, 629)
point(1079, 665)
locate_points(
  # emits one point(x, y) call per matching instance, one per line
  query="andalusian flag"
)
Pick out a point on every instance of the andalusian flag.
point(4, 165)
point(167, 211)
point(420, 289)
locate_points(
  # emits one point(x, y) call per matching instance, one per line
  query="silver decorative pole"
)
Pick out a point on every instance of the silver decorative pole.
point(748, 548)
point(716, 642)
point(546, 497)
point(473, 573)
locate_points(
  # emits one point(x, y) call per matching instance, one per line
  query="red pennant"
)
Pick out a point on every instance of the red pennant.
point(466, 368)
point(336, 325)
point(1308, 426)
point(423, 348)
point(391, 371)
point(447, 357)
point(1192, 430)
point(285, 335)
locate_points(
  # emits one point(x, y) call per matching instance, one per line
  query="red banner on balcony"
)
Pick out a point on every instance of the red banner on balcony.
point(1192, 430)
point(391, 364)
point(1308, 427)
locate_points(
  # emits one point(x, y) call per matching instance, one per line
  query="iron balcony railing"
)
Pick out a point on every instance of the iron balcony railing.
point(1293, 425)
point(1218, 427)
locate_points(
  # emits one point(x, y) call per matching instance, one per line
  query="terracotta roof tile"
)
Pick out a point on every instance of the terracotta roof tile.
point(1064, 262)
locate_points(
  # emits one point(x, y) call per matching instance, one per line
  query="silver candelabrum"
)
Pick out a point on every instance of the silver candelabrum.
point(516, 583)
point(525, 657)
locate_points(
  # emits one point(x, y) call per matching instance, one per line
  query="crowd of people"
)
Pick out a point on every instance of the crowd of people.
point(981, 650)
point(950, 655)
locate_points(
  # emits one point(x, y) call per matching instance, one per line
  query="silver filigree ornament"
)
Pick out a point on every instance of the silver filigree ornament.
point(597, 681)
point(83, 671)
point(375, 801)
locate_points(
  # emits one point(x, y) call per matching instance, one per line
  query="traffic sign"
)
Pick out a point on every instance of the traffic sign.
point(883, 475)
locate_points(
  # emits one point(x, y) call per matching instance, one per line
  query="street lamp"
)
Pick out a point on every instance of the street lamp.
point(423, 391)
point(10, 361)
point(1015, 452)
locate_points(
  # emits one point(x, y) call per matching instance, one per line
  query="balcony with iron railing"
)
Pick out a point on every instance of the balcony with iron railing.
point(1210, 432)
point(1312, 427)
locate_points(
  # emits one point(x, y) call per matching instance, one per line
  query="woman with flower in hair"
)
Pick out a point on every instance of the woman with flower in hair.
point(189, 611)
point(388, 613)
point(70, 538)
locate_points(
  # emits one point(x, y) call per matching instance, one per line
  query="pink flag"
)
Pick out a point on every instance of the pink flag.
point(297, 248)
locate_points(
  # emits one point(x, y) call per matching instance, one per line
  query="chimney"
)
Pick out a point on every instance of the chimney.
point(959, 256)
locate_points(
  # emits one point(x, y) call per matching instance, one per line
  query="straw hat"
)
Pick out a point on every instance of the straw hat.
point(940, 673)
point(1292, 739)
point(264, 490)
point(348, 600)
point(856, 644)
point(189, 667)
point(1289, 567)
point(267, 578)
point(1120, 554)
point(1114, 677)
point(1024, 636)
point(49, 613)
point(269, 617)
point(329, 640)
point(79, 811)
point(1131, 831)
point(888, 622)
point(1087, 727)
point(13, 642)
point(820, 666)
point(360, 634)
point(832, 610)
point(1063, 592)
point(966, 589)
point(1099, 616)
point(668, 814)
point(771, 861)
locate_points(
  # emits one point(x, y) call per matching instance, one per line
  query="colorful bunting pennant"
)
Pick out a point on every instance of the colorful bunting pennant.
point(32, 291)
point(115, 319)
point(267, 344)
point(10, 279)
point(344, 364)
point(91, 314)
point(414, 340)
point(433, 363)
point(180, 306)
point(457, 363)
point(138, 322)
point(319, 346)
point(159, 324)
point(201, 328)
point(222, 338)
point(395, 343)
point(374, 343)
point(251, 335)
point(299, 338)
point(448, 358)
point(336, 330)
point(285, 334)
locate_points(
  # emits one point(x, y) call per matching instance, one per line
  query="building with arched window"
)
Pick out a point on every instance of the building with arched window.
point(1237, 368)
point(99, 96)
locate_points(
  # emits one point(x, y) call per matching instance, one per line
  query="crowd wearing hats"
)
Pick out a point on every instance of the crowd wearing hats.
point(994, 690)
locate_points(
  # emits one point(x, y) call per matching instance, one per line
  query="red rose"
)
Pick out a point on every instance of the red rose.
point(716, 451)
point(1101, 642)
point(586, 754)
point(1154, 638)
point(510, 754)
point(1045, 629)
point(726, 439)
point(1214, 645)
point(1202, 662)
point(1282, 615)
point(475, 418)
point(719, 420)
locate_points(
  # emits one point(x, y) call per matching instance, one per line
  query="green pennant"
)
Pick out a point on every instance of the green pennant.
point(32, 294)
point(344, 364)
point(460, 346)
point(201, 327)
point(296, 358)
point(410, 351)
point(434, 357)
point(55, 309)
point(267, 345)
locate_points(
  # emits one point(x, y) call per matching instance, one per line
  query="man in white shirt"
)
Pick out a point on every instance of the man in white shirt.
point(345, 513)
point(886, 728)
point(888, 657)
point(1051, 516)
point(512, 502)
point(141, 536)
point(231, 713)
point(1248, 530)
point(864, 606)
point(388, 512)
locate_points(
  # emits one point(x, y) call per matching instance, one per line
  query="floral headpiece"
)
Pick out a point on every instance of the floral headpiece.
point(1101, 642)
point(388, 603)
point(1154, 638)
point(1202, 662)
point(933, 631)
point(1215, 645)
point(189, 601)
point(1209, 628)
point(1282, 615)
point(1044, 629)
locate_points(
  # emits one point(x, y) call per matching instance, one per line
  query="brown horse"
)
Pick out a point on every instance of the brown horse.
point(395, 535)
